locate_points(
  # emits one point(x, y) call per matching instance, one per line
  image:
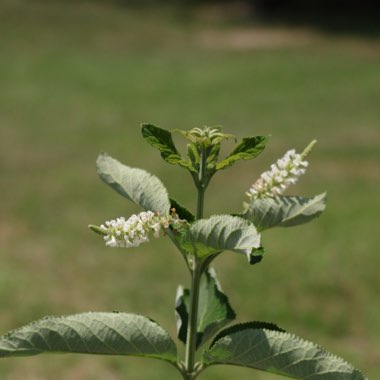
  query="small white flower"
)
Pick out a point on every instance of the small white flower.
point(282, 174)
point(136, 230)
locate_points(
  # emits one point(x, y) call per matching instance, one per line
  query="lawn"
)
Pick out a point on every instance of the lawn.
point(79, 79)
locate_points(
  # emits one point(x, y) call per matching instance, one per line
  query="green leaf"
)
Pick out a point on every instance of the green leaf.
point(220, 233)
point(284, 211)
point(91, 333)
point(268, 348)
point(182, 300)
point(163, 141)
point(212, 156)
point(194, 156)
point(248, 148)
point(137, 185)
point(182, 212)
point(214, 311)
point(256, 255)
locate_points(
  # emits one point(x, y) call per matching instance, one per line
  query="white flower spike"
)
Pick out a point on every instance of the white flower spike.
point(131, 232)
point(281, 175)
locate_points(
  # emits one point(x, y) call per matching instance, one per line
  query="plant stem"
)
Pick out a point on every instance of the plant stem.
point(193, 319)
point(201, 183)
point(200, 202)
point(196, 274)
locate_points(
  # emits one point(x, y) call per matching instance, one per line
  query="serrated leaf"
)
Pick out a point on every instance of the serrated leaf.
point(221, 233)
point(137, 185)
point(248, 148)
point(214, 310)
point(284, 211)
point(91, 333)
point(266, 347)
point(163, 141)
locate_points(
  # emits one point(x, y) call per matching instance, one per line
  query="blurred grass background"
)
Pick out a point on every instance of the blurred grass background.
point(78, 78)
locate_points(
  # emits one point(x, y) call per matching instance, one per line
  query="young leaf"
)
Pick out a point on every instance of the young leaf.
point(214, 310)
point(284, 211)
point(220, 233)
point(268, 348)
point(248, 148)
point(91, 333)
point(137, 185)
point(163, 141)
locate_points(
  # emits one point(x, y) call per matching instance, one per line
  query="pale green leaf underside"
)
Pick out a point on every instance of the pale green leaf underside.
point(91, 333)
point(284, 211)
point(214, 310)
point(280, 353)
point(139, 186)
point(220, 233)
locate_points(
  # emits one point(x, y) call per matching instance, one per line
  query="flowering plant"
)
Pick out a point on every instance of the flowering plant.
point(202, 310)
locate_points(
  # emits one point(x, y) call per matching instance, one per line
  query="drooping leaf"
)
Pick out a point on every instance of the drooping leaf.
point(284, 211)
point(182, 300)
point(214, 310)
point(163, 141)
point(91, 333)
point(268, 348)
point(248, 148)
point(221, 233)
point(139, 186)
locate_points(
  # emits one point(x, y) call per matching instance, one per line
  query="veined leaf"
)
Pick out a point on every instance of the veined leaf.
point(248, 148)
point(163, 141)
point(284, 211)
point(214, 311)
point(91, 333)
point(137, 185)
point(221, 233)
point(268, 348)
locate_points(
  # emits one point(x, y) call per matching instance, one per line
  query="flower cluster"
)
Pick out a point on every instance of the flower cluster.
point(135, 230)
point(281, 175)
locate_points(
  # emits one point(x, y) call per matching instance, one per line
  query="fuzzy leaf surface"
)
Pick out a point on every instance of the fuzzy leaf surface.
point(284, 211)
point(221, 233)
point(137, 185)
point(248, 148)
point(91, 333)
point(268, 348)
point(162, 140)
point(214, 311)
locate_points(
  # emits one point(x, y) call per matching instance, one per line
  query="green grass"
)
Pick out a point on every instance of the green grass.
point(79, 79)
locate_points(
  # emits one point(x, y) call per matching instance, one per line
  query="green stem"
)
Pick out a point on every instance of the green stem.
point(200, 202)
point(196, 274)
point(201, 182)
point(201, 187)
point(191, 340)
